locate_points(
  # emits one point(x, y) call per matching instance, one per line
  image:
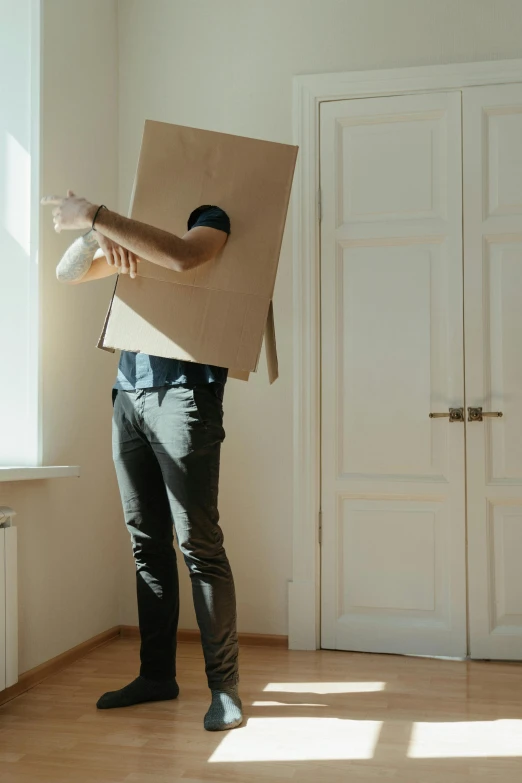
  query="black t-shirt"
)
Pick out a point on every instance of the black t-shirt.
point(210, 216)
point(142, 371)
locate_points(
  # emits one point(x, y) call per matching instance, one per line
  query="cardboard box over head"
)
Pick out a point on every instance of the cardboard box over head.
point(217, 313)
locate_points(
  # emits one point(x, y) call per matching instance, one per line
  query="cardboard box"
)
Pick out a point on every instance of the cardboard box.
point(217, 313)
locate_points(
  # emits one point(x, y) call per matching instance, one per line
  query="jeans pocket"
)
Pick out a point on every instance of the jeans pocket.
point(209, 407)
point(198, 406)
point(218, 390)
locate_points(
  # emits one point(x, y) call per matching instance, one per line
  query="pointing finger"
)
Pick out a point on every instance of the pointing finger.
point(52, 201)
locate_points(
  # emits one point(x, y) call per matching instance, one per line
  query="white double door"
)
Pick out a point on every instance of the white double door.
point(421, 288)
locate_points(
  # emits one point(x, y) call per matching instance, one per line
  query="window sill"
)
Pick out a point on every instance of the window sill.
point(27, 473)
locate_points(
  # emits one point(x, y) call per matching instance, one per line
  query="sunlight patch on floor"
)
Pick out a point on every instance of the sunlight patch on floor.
point(325, 687)
point(466, 739)
point(299, 739)
point(286, 704)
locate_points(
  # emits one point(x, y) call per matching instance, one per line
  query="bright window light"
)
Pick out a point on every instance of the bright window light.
point(17, 199)
point(19, 186)
point(466, 739)
point(299, 739)
point(325, 687)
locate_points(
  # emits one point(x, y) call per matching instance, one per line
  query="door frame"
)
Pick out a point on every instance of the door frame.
point(308, 94)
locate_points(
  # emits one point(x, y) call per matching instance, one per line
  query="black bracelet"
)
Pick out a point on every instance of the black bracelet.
point(102, 206)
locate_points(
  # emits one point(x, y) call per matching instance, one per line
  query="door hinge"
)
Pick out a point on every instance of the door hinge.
point(319, 205)
point(320, 528)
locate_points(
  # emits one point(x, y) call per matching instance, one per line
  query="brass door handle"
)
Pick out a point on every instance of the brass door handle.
point(455, 414)
point(477, 414)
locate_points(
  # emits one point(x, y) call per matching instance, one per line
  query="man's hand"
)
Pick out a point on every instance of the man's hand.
point(118, 256)
point(71, 212)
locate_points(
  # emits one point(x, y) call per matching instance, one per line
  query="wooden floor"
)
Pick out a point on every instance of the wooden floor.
point(317, 717)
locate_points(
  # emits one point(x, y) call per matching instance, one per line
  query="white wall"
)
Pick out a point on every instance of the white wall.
point(69, 529)
point(228, 66)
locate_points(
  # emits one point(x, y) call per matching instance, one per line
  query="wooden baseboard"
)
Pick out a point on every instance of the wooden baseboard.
point(129, 631)
point(31, 678)
point(245, 639)
point(263, 640)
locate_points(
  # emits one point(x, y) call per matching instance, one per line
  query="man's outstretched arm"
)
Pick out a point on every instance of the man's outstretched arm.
point(180, 254)
point(196, 247)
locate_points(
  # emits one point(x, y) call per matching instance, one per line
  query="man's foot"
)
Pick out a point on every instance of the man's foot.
point(139, 691)
point(226, 710)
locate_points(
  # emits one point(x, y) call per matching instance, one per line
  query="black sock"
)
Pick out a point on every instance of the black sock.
point(226, 710)
point(139, 691)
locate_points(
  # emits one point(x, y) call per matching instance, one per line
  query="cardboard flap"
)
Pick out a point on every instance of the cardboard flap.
point(271, 347)
point(222, 328)
point(100, 343)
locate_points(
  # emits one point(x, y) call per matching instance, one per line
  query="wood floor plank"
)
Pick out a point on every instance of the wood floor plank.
point(317, 717)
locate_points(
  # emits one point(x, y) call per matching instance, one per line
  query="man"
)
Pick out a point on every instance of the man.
point(167, 435)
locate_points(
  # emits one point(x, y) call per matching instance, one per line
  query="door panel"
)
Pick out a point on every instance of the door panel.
point(493, 297)
point(382, 290)
point(393, 554)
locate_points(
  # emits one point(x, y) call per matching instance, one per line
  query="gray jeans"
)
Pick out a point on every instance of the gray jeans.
point(166, 450)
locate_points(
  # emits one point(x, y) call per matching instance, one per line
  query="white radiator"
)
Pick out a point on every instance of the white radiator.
point(8, 600)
